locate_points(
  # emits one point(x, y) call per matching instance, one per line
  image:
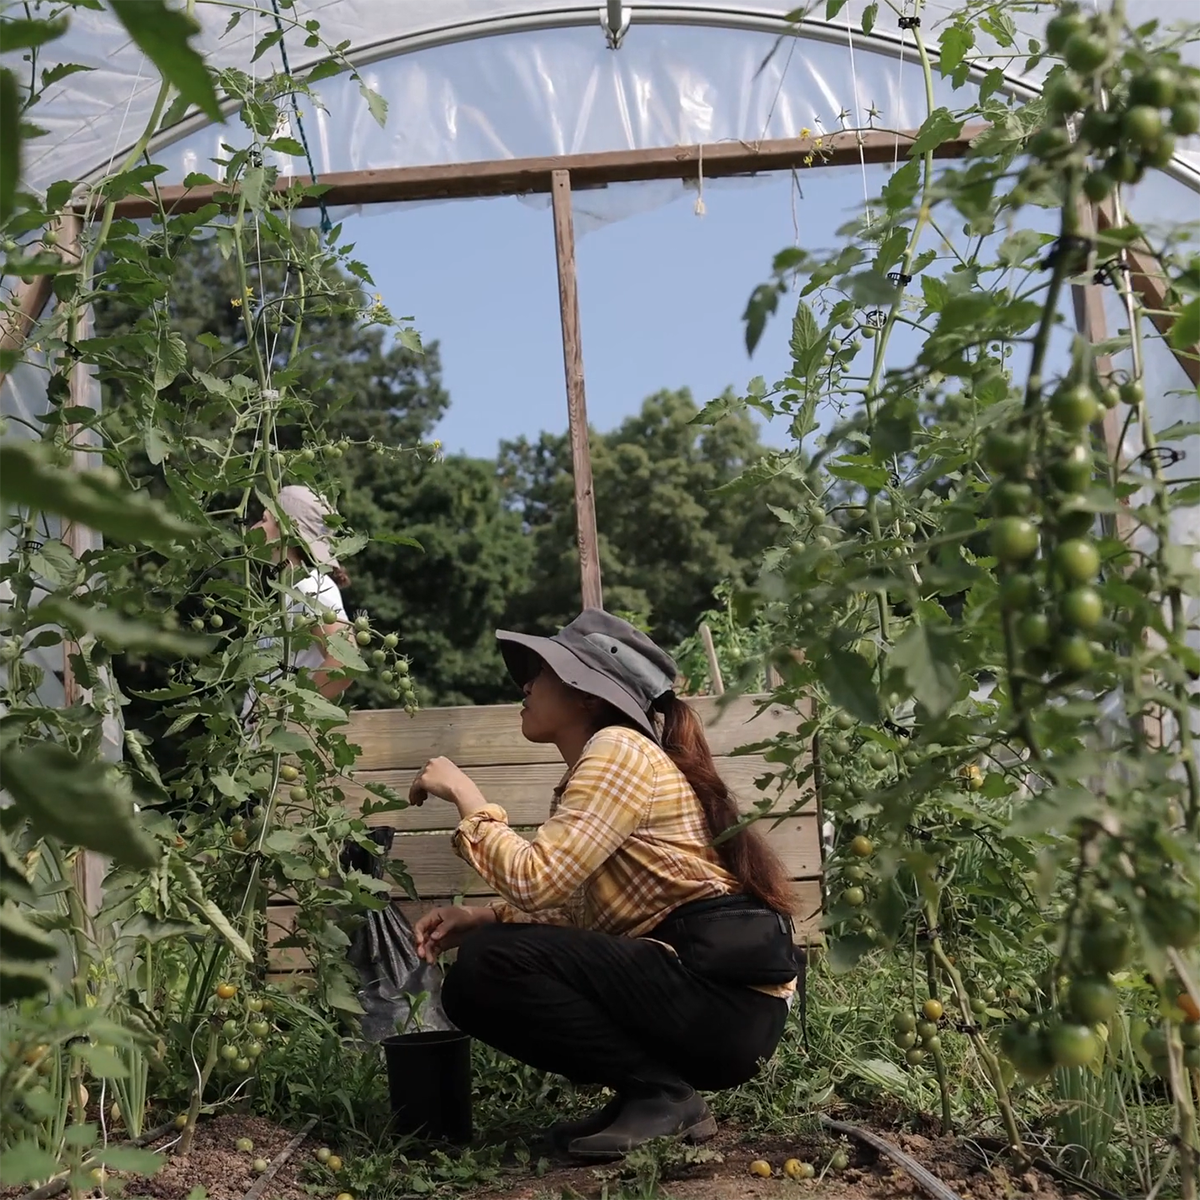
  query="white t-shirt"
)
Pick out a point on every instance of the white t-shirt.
point(320, 594)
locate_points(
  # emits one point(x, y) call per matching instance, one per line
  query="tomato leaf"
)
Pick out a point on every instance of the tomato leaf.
point(163, 34)
point(1185, 333)
point(847, 677)
point(74, 799)
point(926, 656)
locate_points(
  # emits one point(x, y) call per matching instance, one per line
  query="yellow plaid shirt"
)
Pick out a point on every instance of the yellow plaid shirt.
point(625, 845)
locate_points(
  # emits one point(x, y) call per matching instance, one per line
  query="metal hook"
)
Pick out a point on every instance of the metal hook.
point(614, 20)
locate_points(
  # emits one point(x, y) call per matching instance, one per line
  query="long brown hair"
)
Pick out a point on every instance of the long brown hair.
point(744, 854)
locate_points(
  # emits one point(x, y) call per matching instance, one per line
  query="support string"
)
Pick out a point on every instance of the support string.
point(326, 223)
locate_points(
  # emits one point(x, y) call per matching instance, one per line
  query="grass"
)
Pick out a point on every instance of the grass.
point(1108, 1125)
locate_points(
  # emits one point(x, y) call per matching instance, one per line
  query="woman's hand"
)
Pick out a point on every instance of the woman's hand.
point(440, 777)
point(446, 928)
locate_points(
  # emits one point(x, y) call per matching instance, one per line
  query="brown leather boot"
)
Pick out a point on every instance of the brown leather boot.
point(644, 1117)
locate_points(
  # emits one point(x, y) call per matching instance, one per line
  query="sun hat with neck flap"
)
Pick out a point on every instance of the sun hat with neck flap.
point(602, 656)
point(308, 515)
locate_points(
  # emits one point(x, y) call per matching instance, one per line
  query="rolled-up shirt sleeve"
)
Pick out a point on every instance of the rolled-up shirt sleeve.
point(604, 801)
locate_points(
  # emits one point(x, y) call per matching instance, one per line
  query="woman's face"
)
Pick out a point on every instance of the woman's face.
point(270, 528)
point(550, 708)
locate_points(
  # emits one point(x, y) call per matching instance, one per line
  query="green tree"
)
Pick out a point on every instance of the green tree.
point(445, 552)
point(673, 525)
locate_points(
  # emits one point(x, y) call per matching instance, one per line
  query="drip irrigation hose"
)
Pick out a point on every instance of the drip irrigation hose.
point(1052, 1168)
point(931, 1184)
point(260, 1185)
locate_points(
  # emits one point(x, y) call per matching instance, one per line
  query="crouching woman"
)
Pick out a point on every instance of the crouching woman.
point(628, 950)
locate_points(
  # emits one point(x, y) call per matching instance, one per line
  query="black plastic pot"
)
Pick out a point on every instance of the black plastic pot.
point(429, 1080)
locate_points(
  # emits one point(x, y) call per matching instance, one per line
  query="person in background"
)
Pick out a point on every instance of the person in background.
point(628, 949)
point(299, 537)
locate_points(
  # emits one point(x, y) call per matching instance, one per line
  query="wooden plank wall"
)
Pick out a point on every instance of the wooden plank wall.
point(521, 776)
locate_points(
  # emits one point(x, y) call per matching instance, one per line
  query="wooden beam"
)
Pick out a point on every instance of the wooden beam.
point(581, 458)
point(521, 176)
point(1149, 280)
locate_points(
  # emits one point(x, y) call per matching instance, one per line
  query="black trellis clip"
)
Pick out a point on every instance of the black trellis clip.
point(1106, 272)
point(31, 545)
point(876, 318)
point(909, 22)
point(1163, 456)
point(1074, 249)
point(899, 279)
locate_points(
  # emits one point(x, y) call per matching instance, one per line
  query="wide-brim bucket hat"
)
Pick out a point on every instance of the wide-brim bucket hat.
point(602, 656)
point(308, 514)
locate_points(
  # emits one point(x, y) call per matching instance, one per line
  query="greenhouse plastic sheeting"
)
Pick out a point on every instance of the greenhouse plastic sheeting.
point(485, 79)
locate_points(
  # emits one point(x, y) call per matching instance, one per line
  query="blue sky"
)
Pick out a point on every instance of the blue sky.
point(661, 295)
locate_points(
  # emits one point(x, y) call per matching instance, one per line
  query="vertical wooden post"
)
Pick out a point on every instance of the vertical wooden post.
point(1088, 300)
point(581, 460)
point(714, 664)
point(89, 866)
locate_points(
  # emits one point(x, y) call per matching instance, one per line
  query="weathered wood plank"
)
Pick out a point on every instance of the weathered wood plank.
point(437, 871)
point(288, 959)
point(525, 792)
point(491, 735)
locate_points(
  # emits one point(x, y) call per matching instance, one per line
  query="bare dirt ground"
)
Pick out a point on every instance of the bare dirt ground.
point(719, 1171)
point(869, 1176)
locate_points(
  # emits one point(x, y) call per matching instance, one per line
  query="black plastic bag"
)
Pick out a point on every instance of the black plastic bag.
point(399, 992)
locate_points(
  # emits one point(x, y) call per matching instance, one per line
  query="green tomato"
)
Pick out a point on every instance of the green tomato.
point(1082, 608)
point(1071, 470)
point(1062, 26)
point(1033, 630)
point(1185, 118)
point(1104, 945)
point(1017, 592)
point(854, 896)
point(1098, 186)
point(1085, 52)
point(1074, 406)
point(1072, 1045)
point(1014, 539)
point(1006, 452)
point(1132, 393)
point(1074, 518)
point(1012, 499)
point(1154, 1042)
point(1092, 1000)
point(904, 1022)
point(363, 637)
point(1159, 154)
point(1123, 167)
point(1154, 88)
point(1074, 654)
point(391, 641)
point(1066, 95)
point(906, 1041)
point(1142, 125)
point(914, 1057)
point(926, 1030)
point(878, 761)
point(1077, 560)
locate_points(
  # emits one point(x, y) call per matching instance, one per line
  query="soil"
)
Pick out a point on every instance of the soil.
point(217, 1164)
point(719, 1170)
point(869, 1176)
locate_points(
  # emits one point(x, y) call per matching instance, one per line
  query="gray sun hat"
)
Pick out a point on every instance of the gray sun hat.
point(307, 513)
point(601, 655)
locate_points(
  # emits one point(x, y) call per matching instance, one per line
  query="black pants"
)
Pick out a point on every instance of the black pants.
point(609, 1010)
